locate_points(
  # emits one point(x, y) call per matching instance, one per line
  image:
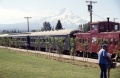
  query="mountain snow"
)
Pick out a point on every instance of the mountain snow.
point(68, 19)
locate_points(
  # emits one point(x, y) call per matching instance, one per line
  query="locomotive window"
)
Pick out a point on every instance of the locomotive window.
point(88, 41)
point(94, 40)
point(116, 27)
point(116, 42)
point(111, 41)
point(94, 27)
point(102, 27)
point(83, 40)
point(80, 40)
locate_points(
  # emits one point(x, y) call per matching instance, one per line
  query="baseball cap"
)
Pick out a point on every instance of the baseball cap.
point(104, 45)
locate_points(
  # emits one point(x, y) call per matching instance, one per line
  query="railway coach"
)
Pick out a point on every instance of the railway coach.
point(31, 38)
point(64, 33)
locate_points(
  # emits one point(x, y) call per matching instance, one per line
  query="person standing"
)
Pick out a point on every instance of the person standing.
point(102, 61)
point(27, 46)
point(108, 64)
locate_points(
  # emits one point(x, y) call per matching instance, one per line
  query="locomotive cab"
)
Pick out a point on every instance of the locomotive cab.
point(103, 26)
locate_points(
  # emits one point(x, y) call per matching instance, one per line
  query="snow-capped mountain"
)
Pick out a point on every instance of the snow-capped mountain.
point(68, 20)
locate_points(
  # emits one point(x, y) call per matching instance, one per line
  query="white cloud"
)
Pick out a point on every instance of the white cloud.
point(16, 14)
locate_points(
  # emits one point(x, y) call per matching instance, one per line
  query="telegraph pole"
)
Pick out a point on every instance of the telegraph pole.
point(90, 9)
point(28, 21)
point(115, 18)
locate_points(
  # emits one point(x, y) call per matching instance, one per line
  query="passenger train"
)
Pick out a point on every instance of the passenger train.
point(103, 30)
point(31, 38)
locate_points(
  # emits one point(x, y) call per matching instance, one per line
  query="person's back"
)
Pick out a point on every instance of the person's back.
point(102, 61)
point(101, 58)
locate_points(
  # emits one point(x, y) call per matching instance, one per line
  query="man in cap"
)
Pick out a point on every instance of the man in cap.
point(102, 61)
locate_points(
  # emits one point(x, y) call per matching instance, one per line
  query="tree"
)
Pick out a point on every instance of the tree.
point(117, 52)
point(1, 41)
point(99, 42)
point(16, 43)
point(37, 44)
point(20, 42)
point(47, 44)
point(46, 26)
point(72, 47)
point(80, 27)
point(60, 46)
point(85, 49)
point(86, 27)
point(33, 30)
point(58, 26)
point(5, 31)
point(6, 41)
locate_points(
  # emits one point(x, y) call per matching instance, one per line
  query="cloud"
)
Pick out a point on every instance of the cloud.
point(16, 14)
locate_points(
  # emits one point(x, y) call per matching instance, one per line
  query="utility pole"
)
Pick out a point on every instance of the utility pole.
point(28, 21)
point(115, 18)
point(90, 9)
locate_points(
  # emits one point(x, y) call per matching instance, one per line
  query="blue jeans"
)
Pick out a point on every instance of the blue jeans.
point(103, 70)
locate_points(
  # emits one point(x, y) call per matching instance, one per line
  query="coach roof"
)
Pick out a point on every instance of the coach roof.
point(3, 35)
point(55, 32)
point(18, 34)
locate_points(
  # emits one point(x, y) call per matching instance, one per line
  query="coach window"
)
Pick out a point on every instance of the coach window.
point(31, 40)
point(18, 39)
point(116, 27)
point(25, 39)
point(22, 39)
point(63, 40)
point(43, 40)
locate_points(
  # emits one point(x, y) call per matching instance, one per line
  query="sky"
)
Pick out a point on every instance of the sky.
point(14, 11)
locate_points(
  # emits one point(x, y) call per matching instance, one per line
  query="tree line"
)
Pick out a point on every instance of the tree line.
point(47, 27)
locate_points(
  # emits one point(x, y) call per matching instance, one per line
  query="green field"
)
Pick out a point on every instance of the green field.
point(14, 64)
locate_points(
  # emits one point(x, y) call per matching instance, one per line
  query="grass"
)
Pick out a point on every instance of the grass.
point(14, 64)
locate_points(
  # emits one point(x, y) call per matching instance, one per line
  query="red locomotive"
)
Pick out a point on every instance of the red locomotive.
point(104, 31)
